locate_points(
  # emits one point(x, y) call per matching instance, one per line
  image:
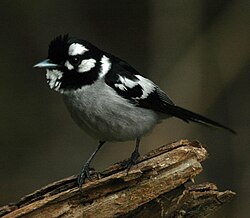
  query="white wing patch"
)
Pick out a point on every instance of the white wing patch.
point(86, 65)
point(147, 85)
point(105, 66)
point(77, 49)
point(125, 83)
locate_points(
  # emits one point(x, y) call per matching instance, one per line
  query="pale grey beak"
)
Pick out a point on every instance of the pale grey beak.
point(46, 64)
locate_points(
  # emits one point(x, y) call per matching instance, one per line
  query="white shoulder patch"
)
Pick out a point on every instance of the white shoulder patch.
point(105, 66)
point(77, 49)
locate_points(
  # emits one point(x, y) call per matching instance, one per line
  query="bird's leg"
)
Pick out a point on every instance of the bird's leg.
point(134, 156)
point(86, 167)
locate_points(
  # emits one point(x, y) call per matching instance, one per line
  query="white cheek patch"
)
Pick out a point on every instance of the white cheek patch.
point(68, 65)
point(77, 49)
point(53, 77)
point(86, 65)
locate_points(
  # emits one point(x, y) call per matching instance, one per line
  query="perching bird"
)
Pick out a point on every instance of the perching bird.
point(107, 97)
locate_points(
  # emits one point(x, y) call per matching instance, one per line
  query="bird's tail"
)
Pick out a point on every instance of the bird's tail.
point(187, 116)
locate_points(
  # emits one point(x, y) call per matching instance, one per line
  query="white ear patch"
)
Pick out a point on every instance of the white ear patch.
point(86, 65)
point(77, 49)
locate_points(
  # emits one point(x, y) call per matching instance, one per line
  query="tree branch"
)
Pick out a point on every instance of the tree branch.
point(155, 187)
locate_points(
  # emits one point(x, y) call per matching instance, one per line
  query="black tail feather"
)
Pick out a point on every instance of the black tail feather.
point(187, 116)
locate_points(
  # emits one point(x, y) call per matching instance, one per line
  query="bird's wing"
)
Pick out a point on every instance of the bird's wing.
point(144, 93)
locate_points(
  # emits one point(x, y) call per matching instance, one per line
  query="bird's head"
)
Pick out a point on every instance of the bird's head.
point(72, 63)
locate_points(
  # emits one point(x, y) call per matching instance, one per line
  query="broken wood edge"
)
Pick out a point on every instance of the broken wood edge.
point(197, 200)
point(167, 167)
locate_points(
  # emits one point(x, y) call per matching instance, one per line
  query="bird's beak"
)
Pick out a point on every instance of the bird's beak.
point(46, 64)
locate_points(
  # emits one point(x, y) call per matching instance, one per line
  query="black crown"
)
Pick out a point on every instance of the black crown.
point(58, 49)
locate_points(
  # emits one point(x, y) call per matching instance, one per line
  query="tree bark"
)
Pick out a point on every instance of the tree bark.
point(157, 186)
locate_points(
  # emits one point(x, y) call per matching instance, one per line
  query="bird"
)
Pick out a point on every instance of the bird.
point(108, 98)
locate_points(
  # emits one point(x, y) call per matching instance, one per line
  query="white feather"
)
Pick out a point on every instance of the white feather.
point(105, 66)
point(68, 65)
point(86, 65)
point(128, 82)
point(77, 49)
point(52, 77)
point(147, 86)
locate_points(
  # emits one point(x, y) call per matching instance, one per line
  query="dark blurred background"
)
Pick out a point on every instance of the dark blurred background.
point(197, 51)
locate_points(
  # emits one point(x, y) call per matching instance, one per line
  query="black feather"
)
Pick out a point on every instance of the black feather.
point(187, 116)
point(58, 49)
point(157, 100)
point(123, 70)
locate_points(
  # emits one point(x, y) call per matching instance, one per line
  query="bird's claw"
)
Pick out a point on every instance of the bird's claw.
point(85, 173)
point(131, 161)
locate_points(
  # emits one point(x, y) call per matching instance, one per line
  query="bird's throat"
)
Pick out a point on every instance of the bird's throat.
point(54, 78)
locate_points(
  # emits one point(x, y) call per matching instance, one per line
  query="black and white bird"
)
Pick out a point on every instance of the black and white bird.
point(107, 97)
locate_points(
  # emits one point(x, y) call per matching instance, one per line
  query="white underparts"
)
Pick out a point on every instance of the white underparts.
point(77, 49)
point(86, 65)
point(105, 66)
point(53, 78)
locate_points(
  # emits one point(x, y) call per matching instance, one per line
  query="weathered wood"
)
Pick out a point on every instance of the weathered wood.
point(194, 201)
point(155, 187)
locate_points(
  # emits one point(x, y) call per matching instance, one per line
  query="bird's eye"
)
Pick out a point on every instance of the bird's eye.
point(74, 60)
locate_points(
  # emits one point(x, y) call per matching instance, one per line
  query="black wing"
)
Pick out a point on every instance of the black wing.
point(142, 92)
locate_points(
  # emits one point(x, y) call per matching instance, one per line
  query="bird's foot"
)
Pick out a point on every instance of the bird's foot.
point(85, 173)
point(131, 161)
